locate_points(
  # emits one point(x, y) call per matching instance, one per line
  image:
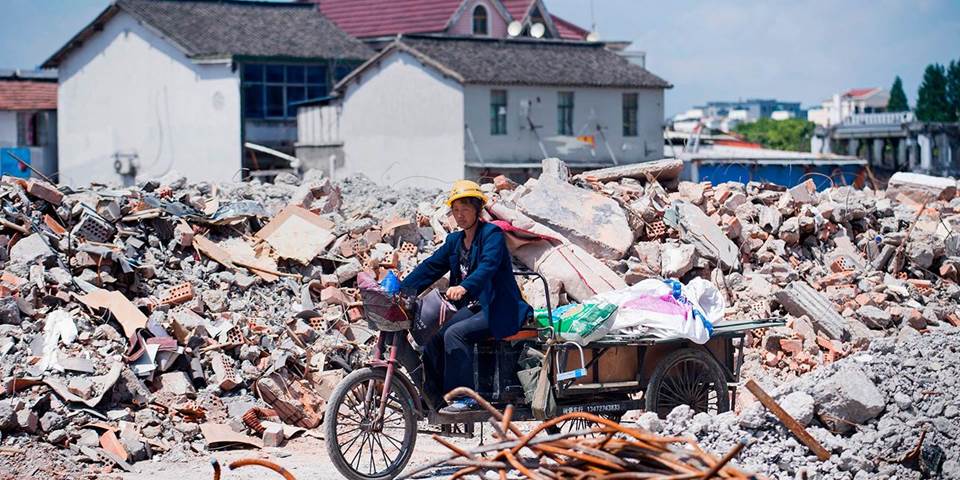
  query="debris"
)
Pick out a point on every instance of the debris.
point(590, 220)
point(220, 434)
point(617, 450)
point(172, 277)
point(297, 234)
point(661, 170)
point(800, 299)
point(126, 313)
point(795, 427)
point(103, 384)
point(697, 228)
point(848, 398)
point(921, 188)
point(273, 435)
point(31, 250)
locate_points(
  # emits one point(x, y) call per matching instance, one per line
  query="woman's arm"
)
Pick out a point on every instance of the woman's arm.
point(429, 271)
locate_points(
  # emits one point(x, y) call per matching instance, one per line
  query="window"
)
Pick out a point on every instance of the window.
point(498, 112)
point(270, 89)
point(565, 113)
point(480, 20)
point(33, 128)
point(629, 114)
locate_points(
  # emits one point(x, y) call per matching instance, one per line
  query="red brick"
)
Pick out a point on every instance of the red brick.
point(45, 191)
point(791, 345)
point(333, 296)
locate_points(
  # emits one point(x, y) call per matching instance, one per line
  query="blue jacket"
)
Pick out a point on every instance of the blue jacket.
point(490, 281)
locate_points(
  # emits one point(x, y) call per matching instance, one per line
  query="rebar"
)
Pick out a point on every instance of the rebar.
point(608, 450)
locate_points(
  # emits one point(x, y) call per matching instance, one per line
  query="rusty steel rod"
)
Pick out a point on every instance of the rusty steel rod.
point(608, 450)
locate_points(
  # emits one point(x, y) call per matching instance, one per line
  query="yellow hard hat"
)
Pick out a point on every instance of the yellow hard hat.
point(464, 189)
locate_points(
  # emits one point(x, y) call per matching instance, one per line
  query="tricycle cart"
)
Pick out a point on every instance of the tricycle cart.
point(372, 415)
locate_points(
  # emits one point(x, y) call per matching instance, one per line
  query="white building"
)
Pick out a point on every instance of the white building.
point(152, 86)
point(427, 110)
point(842, 105)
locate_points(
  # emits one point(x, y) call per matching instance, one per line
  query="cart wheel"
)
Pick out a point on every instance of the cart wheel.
point(687, 377)
point(359, 448)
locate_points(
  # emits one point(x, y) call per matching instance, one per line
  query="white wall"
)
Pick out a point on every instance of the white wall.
point(592, 106)
point(402, 124)
point(8, 128)
point(128, 90)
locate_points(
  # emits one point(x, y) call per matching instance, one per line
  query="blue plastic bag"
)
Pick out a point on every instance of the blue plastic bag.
point(390, 283)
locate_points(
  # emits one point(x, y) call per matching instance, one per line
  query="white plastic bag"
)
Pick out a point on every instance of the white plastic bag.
point(707, 298)
point(667, 322)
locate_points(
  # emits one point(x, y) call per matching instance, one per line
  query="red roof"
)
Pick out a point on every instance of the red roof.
point(27, 95)
point(518, 8)
point(860, 92)
point(381, 18)
point(568, 30)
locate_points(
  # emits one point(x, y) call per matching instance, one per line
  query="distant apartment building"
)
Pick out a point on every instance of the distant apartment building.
point(841, 106)
point(726, 115)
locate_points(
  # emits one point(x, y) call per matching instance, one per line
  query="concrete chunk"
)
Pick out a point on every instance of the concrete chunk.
point(874, 317)
point(588, 219)
point(800, 299)
point(676, 262)
point(666, 169)
point(703, 233)
point(177, 383)
point(921, 188)
point(273, 435)
point(848, 397)
point(31, 250)
point(800, 406)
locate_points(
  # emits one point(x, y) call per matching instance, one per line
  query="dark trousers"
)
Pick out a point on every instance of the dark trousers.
point(449, 354)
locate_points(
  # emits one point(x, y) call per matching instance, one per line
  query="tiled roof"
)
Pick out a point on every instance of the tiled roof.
point(382, 18)
point(525, 62)
point(860, 92)
point(27, 95)
point(378, 18)
point(569, 30)
point(225, 28)
point(518, 8)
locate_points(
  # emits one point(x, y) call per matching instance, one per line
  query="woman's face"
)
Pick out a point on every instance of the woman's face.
point(463, 213)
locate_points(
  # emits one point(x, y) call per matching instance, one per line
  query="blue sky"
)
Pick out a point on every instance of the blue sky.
point(710, 50)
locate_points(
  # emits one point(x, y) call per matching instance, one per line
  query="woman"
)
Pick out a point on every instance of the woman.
point(482, 286)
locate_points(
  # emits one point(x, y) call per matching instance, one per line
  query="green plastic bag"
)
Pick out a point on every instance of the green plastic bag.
point(578, 322)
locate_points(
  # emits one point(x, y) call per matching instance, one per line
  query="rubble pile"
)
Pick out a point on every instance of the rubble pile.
point(169, 318)
point(166, 318)
point(843, 265)
point(869, 410)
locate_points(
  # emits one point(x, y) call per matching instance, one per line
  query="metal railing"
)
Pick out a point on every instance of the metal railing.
point(884, 118)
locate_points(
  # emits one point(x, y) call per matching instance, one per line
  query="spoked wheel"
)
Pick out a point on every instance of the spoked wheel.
point(687, 377)
point(360, 447)
point(579, 424)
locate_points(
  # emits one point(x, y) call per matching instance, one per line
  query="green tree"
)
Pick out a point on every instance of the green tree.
point(953, 88)
point(793, 134)
point(898, 99)
point(932, 105)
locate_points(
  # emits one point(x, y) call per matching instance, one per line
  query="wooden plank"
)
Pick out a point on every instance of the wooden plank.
point(790, 422)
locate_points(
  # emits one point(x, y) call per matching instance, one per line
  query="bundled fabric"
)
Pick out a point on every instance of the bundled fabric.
point(667, 309)
point(581, 323)
point(384, 311)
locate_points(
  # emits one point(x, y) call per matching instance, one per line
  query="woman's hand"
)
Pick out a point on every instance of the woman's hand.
point(456, 293)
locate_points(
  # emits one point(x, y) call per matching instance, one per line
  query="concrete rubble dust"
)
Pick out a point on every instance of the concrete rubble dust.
point(162, 321)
